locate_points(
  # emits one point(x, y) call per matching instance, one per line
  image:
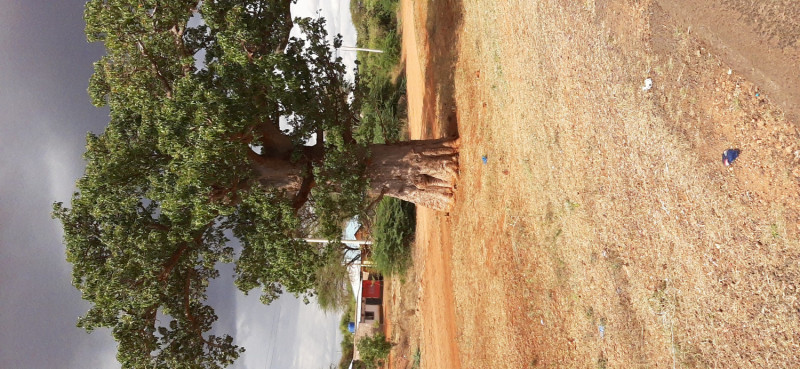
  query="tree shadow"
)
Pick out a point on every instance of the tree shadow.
point(439, 103)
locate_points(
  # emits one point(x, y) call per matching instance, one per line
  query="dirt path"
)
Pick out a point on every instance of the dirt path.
point(601, 229)
point(433, 251)
point(758, 39)
point(411, 58)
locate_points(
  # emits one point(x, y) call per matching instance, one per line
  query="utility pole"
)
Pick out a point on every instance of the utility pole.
point(322, 240)
point(353, 48)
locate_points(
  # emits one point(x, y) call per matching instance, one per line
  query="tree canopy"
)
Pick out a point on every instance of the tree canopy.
point(195, 153)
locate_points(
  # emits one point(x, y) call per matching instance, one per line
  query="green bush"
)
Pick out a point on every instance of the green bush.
point(347, 337)
point(374, 350)
point(395, 225)
point(381, 80)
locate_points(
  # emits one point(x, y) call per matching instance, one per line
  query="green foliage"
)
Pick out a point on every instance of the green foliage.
point(381, 64)
point(271, 258)
point(381, 12)
point(377, 25)
point(374, 350)
point(380, 74)
point(395, 225)
point(383, 114)
point(416, 360)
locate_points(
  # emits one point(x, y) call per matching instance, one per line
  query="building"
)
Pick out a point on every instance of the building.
point(368, 289)
point(367, 286)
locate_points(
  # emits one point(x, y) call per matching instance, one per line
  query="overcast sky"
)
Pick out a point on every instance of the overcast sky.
point(45, 64)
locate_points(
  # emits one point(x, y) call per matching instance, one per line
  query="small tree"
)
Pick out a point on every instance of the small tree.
point(374, 350)
point(331, 284)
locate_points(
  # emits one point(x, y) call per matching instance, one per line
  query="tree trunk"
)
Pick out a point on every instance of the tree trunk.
point(423, 172)
point(278, 173)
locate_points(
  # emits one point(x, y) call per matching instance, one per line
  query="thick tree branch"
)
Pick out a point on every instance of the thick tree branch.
point(173, 260)
point(274, 142)
point(376, 201)
point(229, 195)
point(164, 82)
point(176, 255)
point(278, 173)
point(305, 190)
point(187, 308)
point(177, 32)
point(159, 227)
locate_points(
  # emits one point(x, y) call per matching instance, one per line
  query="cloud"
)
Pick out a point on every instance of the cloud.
point(61, 173)
point(318, 340)
point(46, 114)
point(285, 334)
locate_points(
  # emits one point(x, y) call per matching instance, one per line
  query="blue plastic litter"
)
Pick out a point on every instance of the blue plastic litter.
point(485, 159)
point(729, 155)
point(602, 330)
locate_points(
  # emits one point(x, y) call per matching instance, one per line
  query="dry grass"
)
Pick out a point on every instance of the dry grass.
point(605, 205)
point(403, 294)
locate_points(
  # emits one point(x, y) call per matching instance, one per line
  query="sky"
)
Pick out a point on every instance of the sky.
point(45, 113)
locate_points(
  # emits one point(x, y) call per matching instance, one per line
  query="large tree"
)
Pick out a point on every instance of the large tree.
point(195, 153)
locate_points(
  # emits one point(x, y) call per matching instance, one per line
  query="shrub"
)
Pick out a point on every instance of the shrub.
point(374, 350)
point(395, 224)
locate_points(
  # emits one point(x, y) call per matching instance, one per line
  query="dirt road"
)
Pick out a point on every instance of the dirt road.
point(602, 229)
point(433, 250)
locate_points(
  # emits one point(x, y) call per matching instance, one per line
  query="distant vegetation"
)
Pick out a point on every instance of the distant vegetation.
point(382, 79)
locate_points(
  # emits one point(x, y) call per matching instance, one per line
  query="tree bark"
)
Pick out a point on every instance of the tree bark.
point(277, 172)
point(422, 172)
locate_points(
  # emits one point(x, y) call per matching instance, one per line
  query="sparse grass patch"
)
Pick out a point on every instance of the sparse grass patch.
point(774, 231)
point(417, 359)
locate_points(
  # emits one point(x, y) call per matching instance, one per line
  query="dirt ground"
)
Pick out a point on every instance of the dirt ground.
point(424, 304)
point(602, 229)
